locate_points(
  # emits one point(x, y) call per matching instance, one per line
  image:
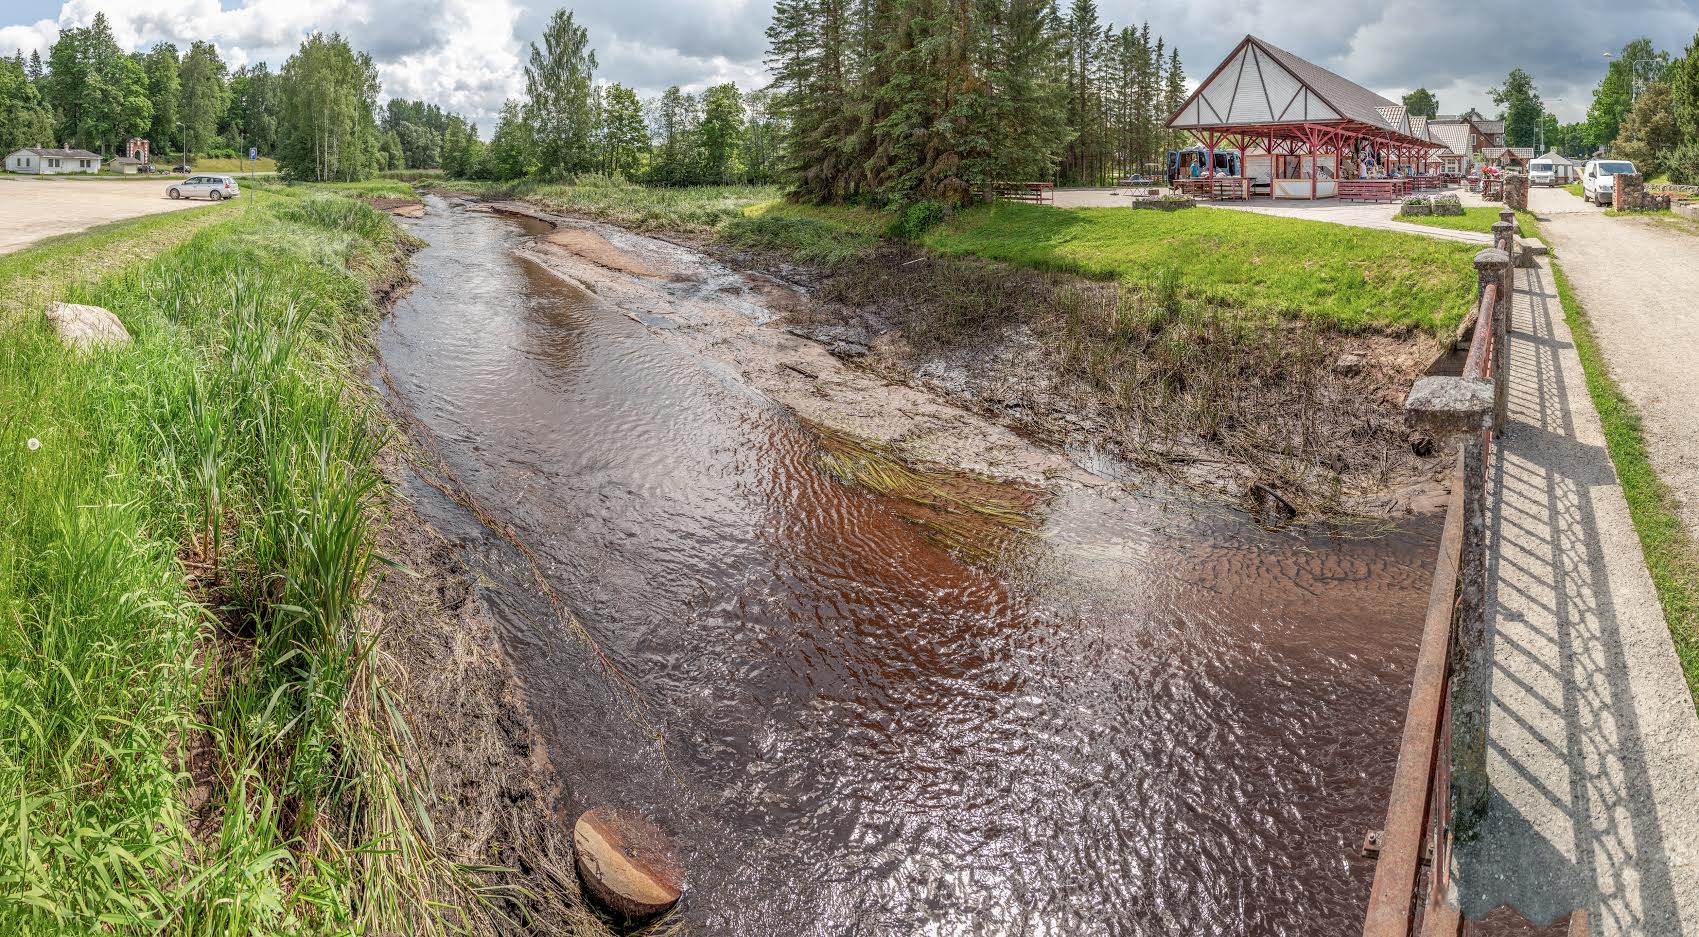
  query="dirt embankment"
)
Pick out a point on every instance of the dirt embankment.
point(1027, 375)
point(494, 797)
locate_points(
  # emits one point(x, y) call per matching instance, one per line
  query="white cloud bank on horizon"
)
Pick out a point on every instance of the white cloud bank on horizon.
point(467, 55)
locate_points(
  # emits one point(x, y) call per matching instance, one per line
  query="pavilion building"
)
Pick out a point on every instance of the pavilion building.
point(1301, 128)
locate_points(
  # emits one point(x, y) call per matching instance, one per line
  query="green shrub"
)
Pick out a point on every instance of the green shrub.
point(912, 221)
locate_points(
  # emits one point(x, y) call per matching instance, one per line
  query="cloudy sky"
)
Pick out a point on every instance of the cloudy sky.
point(467, 54)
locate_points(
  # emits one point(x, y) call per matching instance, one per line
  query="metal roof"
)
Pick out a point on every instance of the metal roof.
point(1259, 83)
point(57, 154)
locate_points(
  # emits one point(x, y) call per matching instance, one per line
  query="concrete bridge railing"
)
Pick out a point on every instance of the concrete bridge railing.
point(1439, 790)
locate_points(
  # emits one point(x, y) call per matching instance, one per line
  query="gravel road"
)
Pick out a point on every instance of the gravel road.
point(32, 209)
point(1639, 281)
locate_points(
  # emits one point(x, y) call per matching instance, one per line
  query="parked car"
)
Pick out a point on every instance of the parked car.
point(1542, 172)
point(216, 188)
point(1598, 180)
point(181, 167)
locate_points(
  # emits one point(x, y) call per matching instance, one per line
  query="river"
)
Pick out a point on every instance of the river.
point(1156, 719)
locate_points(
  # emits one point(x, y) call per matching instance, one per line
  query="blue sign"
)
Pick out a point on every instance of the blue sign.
point(253, 152)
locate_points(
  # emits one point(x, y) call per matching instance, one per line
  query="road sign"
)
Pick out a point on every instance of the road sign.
point(253, 152)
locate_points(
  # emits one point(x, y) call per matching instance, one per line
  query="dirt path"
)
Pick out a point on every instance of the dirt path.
point(32, 209)
point(1638, 279)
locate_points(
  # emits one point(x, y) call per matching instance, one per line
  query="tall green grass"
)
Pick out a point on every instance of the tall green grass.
point(194, 742)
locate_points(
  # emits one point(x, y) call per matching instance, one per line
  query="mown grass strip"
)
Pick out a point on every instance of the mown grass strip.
point(1672, 557)
point(1479, 218)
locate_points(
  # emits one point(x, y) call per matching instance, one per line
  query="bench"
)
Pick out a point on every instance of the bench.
point(1370, 190)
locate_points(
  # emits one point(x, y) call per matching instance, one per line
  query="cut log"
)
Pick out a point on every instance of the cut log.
point(626, 862)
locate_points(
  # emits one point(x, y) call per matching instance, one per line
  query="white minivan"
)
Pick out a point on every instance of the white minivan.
point(216, 188)
point(1542, 172)
point(1598, 179)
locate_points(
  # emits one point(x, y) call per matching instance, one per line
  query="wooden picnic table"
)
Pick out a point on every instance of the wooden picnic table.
point(1040, 192)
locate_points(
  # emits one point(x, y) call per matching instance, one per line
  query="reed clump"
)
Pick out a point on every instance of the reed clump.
point(197, 737)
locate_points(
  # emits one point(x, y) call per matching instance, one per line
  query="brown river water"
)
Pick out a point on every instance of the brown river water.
point(1160, 720)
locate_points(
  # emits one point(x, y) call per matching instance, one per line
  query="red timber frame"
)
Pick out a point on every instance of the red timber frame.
point(1315, 138)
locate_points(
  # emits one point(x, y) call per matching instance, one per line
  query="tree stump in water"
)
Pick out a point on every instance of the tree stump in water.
point(626, 862)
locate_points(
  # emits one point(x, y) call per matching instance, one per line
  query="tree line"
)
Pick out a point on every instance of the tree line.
point(568, 124)
point(937, 100)
point(1645, 109)
point(90, 94)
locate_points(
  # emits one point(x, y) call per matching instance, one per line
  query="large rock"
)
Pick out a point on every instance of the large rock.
point(86, 327)
point(627, 862)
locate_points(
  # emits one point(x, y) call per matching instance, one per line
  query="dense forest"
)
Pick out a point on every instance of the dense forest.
point(904, 100)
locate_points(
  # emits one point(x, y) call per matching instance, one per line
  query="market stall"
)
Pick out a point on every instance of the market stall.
point(1301, 130)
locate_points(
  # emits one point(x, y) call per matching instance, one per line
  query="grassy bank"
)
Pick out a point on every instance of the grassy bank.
point(1343, 277)
point(196, 741)
point(692, 209)
point(1671, 554)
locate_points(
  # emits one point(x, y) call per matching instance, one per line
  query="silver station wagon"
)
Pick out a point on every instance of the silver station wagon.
point(216, 188)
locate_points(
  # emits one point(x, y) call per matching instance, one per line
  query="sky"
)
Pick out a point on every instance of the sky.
point(467, 55)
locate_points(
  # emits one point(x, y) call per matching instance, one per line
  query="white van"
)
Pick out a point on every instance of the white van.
point(1598, 179)
point(1542, 172)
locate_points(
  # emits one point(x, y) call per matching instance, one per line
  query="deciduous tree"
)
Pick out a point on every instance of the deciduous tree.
point(557, 88)
point(204, 95)
point(1421, 103)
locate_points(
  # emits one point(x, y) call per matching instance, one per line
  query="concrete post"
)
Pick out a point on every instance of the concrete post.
point(1458, 407)
point(1493, 266)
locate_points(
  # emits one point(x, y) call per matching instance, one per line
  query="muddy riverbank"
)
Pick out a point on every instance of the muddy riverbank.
point(1147, 714)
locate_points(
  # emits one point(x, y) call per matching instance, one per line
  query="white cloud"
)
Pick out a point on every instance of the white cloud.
point(467, 54)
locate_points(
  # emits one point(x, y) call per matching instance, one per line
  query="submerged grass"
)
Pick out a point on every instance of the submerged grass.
point(196, 742)
point(980, 520)
point(1671, 554)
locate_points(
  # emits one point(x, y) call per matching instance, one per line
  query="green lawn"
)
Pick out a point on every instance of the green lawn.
point(1345, 277)
point(1574, 188)
point(1475, 218)
point(1671, 555)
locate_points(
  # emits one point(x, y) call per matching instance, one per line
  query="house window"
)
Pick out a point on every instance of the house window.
point(52, 164)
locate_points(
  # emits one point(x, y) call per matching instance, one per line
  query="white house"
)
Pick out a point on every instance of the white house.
point(45, 162)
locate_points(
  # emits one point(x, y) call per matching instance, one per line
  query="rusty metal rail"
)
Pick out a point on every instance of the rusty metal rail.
point(1439, 787)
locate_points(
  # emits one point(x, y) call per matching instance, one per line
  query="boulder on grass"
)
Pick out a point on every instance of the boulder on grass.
point(627, 862)
point(86, 327)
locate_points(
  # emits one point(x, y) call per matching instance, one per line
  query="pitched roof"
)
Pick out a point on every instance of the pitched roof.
point(1452, 134)
point(44, 151)
point(1259, 83)
point(1354, 101)
point(1558, 159)
point(1518, 152)
point(1490, 126)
